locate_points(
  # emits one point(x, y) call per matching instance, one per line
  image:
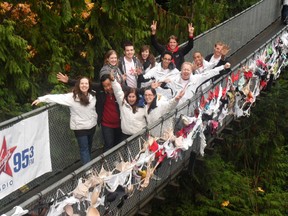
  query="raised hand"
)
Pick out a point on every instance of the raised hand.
point(35, 102)
point(180, 94)
point(62, 78)
point(153, 27)
point(155, 84)
point(124, 77)
point(190, 29)
point(111, 76)
point(139, 70)
point(225, 49)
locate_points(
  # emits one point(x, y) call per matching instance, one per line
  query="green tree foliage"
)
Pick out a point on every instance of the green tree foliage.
point(16, 77)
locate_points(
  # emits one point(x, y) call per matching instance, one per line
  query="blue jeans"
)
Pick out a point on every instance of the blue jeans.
point(85, 145)
point(111, 137)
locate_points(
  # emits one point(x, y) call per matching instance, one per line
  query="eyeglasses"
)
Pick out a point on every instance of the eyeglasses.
point(165, 59)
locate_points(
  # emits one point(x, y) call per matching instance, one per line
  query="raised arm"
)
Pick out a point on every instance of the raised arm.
point(186, 49)
point(65, 79)
point(208, 74)
point(71, 82)
point(63, 99)
point(118, 92)
point(159, 47)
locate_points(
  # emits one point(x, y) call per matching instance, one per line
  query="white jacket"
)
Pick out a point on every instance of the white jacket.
point(162, 108)
point(194, 82)
point(160, 74)
point(81, 117)
point(206, 66)
point(131, 123)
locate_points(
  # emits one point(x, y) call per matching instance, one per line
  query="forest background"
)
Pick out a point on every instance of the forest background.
point(41, 38)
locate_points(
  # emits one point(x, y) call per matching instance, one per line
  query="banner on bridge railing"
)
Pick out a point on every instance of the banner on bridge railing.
point(24, 153)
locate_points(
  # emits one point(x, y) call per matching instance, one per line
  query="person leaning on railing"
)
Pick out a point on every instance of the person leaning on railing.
point(186, 80)
point(83, 117)
point(219, 56)
point(172, 46)
point(155, 107)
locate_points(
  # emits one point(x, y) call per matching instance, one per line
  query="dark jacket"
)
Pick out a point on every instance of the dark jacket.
point(178, 53)
point(221, 62)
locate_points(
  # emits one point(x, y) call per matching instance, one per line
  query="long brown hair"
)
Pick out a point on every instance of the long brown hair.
point(132, 91)
point(77, 93)
point(150, 57)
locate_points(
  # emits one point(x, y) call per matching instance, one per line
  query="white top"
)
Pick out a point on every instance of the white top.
point(206, 66)
point(162, 108)
point(131, 123)
point(81, 117)
point(194, 82)
point(131, 79)
point(161, 74)
point(215, 60)
point(285, 2)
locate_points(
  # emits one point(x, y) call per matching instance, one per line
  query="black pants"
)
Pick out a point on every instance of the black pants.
point(284, 14)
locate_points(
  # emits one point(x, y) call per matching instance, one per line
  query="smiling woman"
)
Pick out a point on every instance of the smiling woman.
point(83, 120)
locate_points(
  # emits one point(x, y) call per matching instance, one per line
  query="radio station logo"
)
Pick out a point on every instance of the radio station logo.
point(5, 155)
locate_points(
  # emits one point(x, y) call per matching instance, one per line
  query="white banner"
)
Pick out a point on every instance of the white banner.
point(24, 153)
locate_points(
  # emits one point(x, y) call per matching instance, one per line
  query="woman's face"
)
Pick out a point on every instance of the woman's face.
point(172, 44)
point(145, 54)
point(131, 98)
point(149, 96)
point(112, 59)
point(84, 85)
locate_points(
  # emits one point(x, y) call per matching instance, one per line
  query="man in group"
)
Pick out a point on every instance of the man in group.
point(172, 46)
point(163, 71)
point(219, 56)
point(129, 65)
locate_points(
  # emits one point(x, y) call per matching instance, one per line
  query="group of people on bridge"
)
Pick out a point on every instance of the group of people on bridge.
point(136, 90)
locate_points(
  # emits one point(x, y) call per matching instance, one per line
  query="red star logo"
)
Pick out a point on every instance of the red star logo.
point(5, 155)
